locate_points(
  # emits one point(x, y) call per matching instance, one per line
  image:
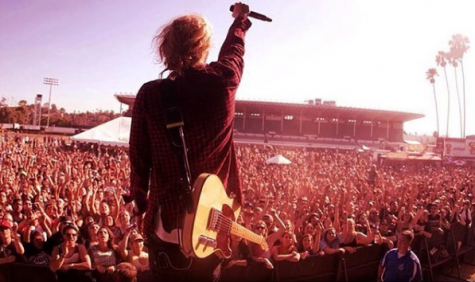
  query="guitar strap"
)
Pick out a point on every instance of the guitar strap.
point(175, 124)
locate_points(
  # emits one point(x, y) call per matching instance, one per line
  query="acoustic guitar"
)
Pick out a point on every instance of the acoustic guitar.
point(208, 229)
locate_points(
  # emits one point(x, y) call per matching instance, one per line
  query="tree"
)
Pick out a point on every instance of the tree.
point(3, 102)
point(454, 63)
point(22, 103)
point(431, 73)
point(458, 47)
point(5, 114)
point(441, 60)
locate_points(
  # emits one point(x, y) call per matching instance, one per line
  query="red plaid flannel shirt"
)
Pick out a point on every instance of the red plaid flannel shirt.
point(206, 98)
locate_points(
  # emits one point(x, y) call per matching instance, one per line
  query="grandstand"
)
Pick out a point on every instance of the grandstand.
point(314, 120)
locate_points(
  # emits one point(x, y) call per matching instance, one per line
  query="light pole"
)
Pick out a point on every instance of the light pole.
point(50, 81)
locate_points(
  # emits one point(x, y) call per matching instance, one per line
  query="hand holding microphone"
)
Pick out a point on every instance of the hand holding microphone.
point(239, 9)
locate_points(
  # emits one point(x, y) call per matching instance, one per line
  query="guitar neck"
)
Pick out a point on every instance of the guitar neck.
point(245, 233)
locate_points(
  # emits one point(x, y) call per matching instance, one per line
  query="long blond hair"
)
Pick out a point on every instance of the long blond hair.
point(183, 44)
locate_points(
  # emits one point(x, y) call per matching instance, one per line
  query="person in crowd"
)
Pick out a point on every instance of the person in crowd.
point(110, 223)
point(3, 199)
point(8, 218)
point(136, 255)
point(61, 205)
point(34, 249)
point(308, 229)
point(363, 225)
point(183, 46)
point(314, 217)
point(125, 272)
point(92, 238)
point(51, 212)
point(373, 219)
point(309, 246)
point(74, 209)
point(330, 243)
point(287, 249)
point(391, 212)
point(17, 211)
point(401, 264)
point(58, 237)
point(258, 254)
point(234, 267)
point(11, 247)
point(269, 220)
point(33, 223)
point(434, 220)
point(372, 175)
point(84, 228)
point(69, 259)
point(123, 222)
point(466, 214)
point(406, 221)
point(104, 255)
point(350, 238)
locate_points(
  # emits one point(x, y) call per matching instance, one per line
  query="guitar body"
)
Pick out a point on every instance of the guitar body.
point(207, 230)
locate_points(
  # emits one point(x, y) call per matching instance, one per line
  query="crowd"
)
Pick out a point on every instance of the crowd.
point(61, 206)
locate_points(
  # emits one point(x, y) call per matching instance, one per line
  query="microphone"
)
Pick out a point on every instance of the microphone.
point(255, 15)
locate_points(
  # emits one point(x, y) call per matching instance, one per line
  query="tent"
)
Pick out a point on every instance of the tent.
point(404, 156)
point(112, 133)
point(279, 159)
point(365, 148)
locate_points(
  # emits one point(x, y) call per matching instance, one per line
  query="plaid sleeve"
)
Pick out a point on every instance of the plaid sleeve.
point(230, 60)
point(140, 153)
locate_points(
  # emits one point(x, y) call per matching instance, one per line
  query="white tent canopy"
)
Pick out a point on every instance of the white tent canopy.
point(112, 133)
point(279, 159)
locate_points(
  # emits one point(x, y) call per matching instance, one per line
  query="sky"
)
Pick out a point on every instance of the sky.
point(366, 54)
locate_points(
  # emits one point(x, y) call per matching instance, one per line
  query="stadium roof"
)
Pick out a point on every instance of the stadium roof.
point(128, 99)
point(280, 108)
point(324, 111)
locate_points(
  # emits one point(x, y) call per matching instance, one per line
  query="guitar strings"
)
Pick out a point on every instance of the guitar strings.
point(227, 223)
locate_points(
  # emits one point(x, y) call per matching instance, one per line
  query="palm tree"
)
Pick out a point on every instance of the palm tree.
point(441, 60)
point(458, 47)
point(455, 64)
point(431, 73)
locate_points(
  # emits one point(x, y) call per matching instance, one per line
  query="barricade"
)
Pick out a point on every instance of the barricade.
point(432, 257)
point(464, 245)
point(313, 268)
point(19, 272)
point(363, 264)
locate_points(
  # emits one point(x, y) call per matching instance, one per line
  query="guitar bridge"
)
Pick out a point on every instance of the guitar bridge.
point(213, 222)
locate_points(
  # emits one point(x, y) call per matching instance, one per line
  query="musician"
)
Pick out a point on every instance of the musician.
point(205, 94)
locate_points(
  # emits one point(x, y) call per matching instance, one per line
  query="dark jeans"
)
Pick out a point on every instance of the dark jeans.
point(169, 264)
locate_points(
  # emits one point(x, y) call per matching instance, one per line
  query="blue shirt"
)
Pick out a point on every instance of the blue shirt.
point(405, 268)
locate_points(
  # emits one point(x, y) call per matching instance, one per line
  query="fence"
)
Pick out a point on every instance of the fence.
point(359, 266)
